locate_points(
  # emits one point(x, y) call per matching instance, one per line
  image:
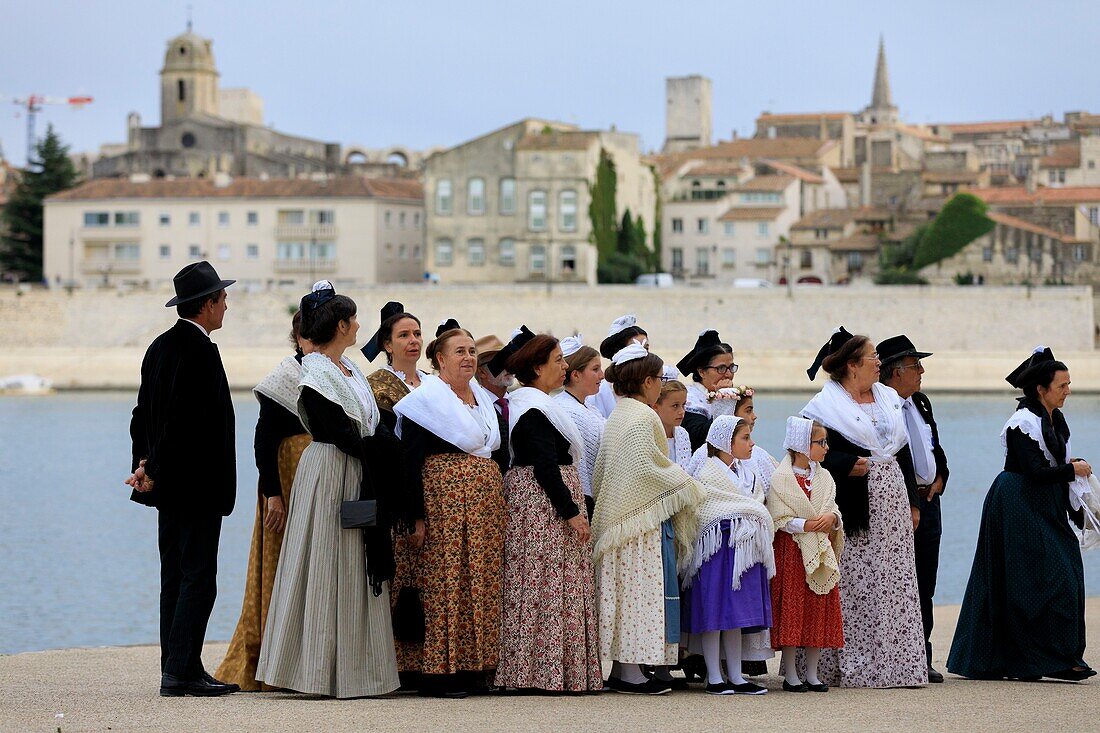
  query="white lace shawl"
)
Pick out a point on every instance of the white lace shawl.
point(321, 375)
point(763, 465)
point(697, 400)
point(530, 398)
point(834, 408)
point(681, 447)
point(435, 407)
point(590, 425)
point(603, 401)
point(281, 384)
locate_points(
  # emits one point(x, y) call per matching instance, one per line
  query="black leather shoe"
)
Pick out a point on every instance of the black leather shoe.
point(800, 687)
point(934, 676)
point(210, 679)
point(817, 688)
point(649, 687)
point(171, 686)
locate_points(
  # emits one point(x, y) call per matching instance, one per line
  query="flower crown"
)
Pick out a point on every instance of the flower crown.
point(731, 393)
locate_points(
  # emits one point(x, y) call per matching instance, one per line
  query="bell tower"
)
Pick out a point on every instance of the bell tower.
point(189, 79)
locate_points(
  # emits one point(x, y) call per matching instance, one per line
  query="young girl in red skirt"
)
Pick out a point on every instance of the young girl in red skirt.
point(809, 538)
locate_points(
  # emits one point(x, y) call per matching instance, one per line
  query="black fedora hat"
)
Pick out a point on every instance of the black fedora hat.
point(898, 347)
point(195, 281)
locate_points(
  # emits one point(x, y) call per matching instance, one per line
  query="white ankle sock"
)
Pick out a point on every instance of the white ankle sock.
point(631, 674)
point(790, 666)
point(712, 656)
point(813, 656)
point(731, 645)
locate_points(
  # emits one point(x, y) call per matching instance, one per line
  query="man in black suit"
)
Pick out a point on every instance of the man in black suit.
point(184, 465)
point(902, 370)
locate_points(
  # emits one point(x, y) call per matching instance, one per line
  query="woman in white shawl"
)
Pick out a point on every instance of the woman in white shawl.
point(725, 585)
point(328, 626)
point(876, 491)
point(549, 636)
point(449, 431)
point(643, 527)
point(583, 379)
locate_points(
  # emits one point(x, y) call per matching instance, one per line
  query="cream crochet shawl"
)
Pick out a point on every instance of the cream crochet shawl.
point(750, 524)
point(637, 486)
point(820, 550)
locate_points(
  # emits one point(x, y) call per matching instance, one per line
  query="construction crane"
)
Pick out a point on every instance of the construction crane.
point(33, 105)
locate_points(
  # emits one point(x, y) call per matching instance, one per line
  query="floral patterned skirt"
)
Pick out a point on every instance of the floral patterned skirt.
point(239, 665)
point(883, 633)
point(549, 635)
point(459, 568)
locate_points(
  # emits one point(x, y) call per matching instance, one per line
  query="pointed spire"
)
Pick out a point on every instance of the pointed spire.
point(880, 95)
point(189, 18)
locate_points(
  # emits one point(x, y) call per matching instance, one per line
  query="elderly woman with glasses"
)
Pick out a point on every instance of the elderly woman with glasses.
point(711, 368)
point(876, 490)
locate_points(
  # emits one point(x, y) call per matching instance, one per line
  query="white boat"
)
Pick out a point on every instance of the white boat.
point(26, 384)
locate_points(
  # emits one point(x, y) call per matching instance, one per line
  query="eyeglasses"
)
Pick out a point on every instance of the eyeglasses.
point(873, 356)
point(724, 368)
point(667, 378)
point(824, 442)
point(918, 365)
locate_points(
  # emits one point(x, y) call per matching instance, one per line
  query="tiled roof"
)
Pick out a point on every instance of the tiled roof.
point(1085, 122)
point(782, 148)
point(826, 219)
point(921, 134)
point(765, 183)
point(557, 141)
point(751, 213)
point(860, 242)
point(194, 188)
point(803, 116)
point(977, 128)
point(793, 170)
point(1063, 156)
point(1017, 223)
point(720, 168)
point(1066, 196)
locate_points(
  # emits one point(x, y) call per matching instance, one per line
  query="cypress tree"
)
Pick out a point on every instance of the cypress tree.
point(601, 208)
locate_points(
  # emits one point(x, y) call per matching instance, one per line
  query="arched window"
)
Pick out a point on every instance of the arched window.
point(475, 196)
point(537, 260)
point(444, 253)
point(507, 196)
point(181, 89)
point(475, 252)
point(567, 211)
point(536, 211)
point(443, 197)
point(507, 253)
point(568, 260)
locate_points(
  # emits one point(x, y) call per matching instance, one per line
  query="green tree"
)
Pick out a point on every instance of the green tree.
point(624, 239)
point(638, 245)
point(658, 242)
point(896, 260)
point(49, 172)
point(961, 220)
point(601, 208)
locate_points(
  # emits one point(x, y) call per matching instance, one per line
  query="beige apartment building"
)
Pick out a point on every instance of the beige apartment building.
point(512, 205)
point(263, 233)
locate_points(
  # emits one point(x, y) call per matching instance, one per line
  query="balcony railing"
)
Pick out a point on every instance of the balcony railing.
point(306, 231)
point(305, 265)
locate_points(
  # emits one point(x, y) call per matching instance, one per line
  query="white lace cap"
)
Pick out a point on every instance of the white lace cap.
point(721, 430)
point(322, 285)
point(622, 323)
point(672, 374)
point(1039, 349)
point(799, 433)
point(571, 345)
point(630, 352)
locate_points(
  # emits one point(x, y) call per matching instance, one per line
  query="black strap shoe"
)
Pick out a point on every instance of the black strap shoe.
point(171, 686)
point(934, 676)
point(800, 687)
point(817, 688)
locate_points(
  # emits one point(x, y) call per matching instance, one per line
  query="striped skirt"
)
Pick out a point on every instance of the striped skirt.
point(326, 633)
point(549, 633)
point(458, 569)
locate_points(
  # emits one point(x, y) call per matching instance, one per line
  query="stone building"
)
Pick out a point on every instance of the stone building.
point(839, 246)
point(838, 126)
point(264, 233)
point(206, 130)
point(512, 205)
point(687, 113)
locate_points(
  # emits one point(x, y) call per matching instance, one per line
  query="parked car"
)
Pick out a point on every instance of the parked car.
point(655, 280)
point(752, 282)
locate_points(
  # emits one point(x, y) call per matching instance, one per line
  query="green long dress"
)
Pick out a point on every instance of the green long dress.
point(1023, 615)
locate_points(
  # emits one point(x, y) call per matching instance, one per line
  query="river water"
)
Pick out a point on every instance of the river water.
point(79, 563)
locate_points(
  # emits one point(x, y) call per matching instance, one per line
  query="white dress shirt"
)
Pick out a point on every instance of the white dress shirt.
point(920, 443)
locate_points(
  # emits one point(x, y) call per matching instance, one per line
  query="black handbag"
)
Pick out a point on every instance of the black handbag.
point(408, 616)
point(358, 514)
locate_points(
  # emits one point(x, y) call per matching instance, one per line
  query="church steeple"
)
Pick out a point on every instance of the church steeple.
point(882, 109)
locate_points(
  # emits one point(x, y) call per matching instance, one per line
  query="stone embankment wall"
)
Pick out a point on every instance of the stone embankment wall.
point(96, 339)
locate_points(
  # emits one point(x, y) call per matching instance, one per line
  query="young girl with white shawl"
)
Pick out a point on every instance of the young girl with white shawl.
point(643, 528)
point(725, 583)
point(549, 635)
point(808, 541)
point(670, 408)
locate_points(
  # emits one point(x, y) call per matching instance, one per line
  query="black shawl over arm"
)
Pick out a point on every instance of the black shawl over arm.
point(380, 455)
point(274, 425)
point(851, 491)
point(537, 443)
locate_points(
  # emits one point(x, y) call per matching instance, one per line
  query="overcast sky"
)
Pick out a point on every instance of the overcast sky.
point(436, 73)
